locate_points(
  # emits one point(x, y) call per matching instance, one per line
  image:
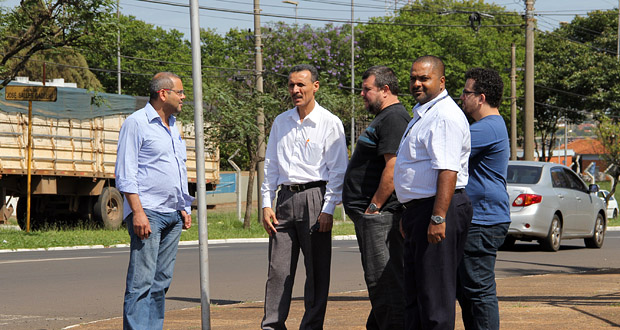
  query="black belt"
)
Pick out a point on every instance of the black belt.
point(303, 186)
point(414, 202)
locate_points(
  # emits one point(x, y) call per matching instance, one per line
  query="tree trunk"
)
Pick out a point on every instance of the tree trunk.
point(252, 170)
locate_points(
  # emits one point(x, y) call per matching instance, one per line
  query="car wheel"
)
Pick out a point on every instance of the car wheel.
point(552, 241)
point(596, 241)
point(509, 243)
point(615, 215)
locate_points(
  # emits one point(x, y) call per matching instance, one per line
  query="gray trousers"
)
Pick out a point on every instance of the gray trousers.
point(381, 247)
point(296, 213)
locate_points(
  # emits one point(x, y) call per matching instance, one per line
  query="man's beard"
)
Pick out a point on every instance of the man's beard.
point(374, 107)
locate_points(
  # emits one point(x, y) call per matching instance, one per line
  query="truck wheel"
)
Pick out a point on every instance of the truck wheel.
point(109, 208)
point(22, 203)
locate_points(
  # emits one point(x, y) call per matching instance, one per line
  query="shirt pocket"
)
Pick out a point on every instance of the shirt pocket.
point(311, 152)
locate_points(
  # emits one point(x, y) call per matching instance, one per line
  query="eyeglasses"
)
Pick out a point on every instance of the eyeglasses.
point(179, 92)
point(469, 92)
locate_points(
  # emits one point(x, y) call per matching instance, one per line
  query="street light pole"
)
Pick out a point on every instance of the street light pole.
point(352, 80)
point(296, 3)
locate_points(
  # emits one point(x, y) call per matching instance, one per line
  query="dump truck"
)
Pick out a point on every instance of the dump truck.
point(74, 142)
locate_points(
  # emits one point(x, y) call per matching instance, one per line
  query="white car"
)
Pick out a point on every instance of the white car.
point(550, 203)
point(612, 207)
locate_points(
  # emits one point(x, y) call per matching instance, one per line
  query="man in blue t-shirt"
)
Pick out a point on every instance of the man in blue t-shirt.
point(488, 164)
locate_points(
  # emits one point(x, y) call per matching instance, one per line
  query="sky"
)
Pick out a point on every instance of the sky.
point(174, 14)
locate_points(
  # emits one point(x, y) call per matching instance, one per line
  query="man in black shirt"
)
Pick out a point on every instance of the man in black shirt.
point(369, 198)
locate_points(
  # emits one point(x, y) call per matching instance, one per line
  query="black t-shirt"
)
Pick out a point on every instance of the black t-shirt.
point(363, 175)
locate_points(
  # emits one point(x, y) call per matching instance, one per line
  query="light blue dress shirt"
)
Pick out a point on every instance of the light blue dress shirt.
point(150, 162)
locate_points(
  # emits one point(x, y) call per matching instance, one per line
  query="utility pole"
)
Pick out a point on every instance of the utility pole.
point(118, 46)
point(201, 186)
point(260, 115)
point(513, 103)
point(528, 136)
point(353, 80)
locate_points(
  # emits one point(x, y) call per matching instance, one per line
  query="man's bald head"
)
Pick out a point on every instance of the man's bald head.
point(434, 61)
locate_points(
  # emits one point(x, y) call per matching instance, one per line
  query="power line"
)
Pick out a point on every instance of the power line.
point(308, 18)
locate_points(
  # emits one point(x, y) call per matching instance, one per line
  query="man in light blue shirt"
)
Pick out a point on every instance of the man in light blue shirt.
point(151, 173)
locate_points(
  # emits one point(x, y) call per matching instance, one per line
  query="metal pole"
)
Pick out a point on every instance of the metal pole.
point(352, 80)
point(618, 48)
point(118, 46)
point(260, 115)
point(201, 187)
point(513, 103)
point(29, 181)
point(528, 141)
point(565, 138)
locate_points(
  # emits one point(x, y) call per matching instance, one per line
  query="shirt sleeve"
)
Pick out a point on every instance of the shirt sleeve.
point(126, 168)
point(445, 144)
point(336, 158)
point(270, 184)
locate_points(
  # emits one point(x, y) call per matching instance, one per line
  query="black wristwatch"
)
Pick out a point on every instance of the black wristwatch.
point(437, 219)
point(373, 207)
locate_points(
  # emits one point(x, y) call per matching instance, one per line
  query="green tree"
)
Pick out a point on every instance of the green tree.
point(577, 74)
point(608, 133)
point(145, 50)
point(64, 63)
point(442, 28)
point(36, 26)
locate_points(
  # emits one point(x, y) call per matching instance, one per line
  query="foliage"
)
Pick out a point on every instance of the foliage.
point(608, 133)
point(422, 28)
point(36, 26)
point(61, 63)
point(221, 225)
point(145, 50)
point(576, 73)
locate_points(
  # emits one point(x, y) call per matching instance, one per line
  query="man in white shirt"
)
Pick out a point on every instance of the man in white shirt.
point(430, 175)
point(306, 158)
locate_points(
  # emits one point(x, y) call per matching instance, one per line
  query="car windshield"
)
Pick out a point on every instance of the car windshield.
point(523, 174)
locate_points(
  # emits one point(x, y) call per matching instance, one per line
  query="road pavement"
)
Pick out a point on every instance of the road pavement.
point(55, 289)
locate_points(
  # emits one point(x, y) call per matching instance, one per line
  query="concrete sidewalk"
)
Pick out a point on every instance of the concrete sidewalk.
point(554, 301)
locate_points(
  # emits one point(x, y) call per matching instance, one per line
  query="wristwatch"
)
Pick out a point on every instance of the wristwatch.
point(437, 219)
point(373, 207)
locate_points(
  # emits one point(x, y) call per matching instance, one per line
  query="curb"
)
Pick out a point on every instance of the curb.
point(181, 243)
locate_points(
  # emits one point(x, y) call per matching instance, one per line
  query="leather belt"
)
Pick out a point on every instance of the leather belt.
point(414, 202)
point(304, 186)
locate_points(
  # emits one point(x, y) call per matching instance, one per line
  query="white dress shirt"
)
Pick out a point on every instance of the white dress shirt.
point(301, 152)
point(437, 138)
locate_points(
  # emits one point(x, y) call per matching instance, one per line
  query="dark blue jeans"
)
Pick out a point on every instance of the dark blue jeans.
point(476, 276)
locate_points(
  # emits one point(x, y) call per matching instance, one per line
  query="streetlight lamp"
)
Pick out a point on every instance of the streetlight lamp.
point(296, 3)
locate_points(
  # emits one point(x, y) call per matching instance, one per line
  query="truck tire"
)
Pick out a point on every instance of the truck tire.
point(109, 208)
point(20, 213)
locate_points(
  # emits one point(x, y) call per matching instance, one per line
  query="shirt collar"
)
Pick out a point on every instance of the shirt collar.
point(151, 114)
point(312, 117)
point(421, 109)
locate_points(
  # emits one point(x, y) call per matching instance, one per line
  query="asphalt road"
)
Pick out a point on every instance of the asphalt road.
point(55, 289)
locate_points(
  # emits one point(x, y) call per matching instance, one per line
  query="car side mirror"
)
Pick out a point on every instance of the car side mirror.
point(593, 188)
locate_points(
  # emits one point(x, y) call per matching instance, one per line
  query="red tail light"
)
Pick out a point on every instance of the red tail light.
point(527, 199)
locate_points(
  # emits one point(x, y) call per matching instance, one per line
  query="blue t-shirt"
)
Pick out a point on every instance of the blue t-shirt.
point(488, 164)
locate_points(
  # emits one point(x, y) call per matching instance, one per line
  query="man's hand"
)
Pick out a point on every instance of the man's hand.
point(436, 232)
point(269, 220)
point(141, 225)
point(187, 220)
point(326, 222)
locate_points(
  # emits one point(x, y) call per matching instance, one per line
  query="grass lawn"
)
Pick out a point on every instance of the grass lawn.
point(220, 225)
